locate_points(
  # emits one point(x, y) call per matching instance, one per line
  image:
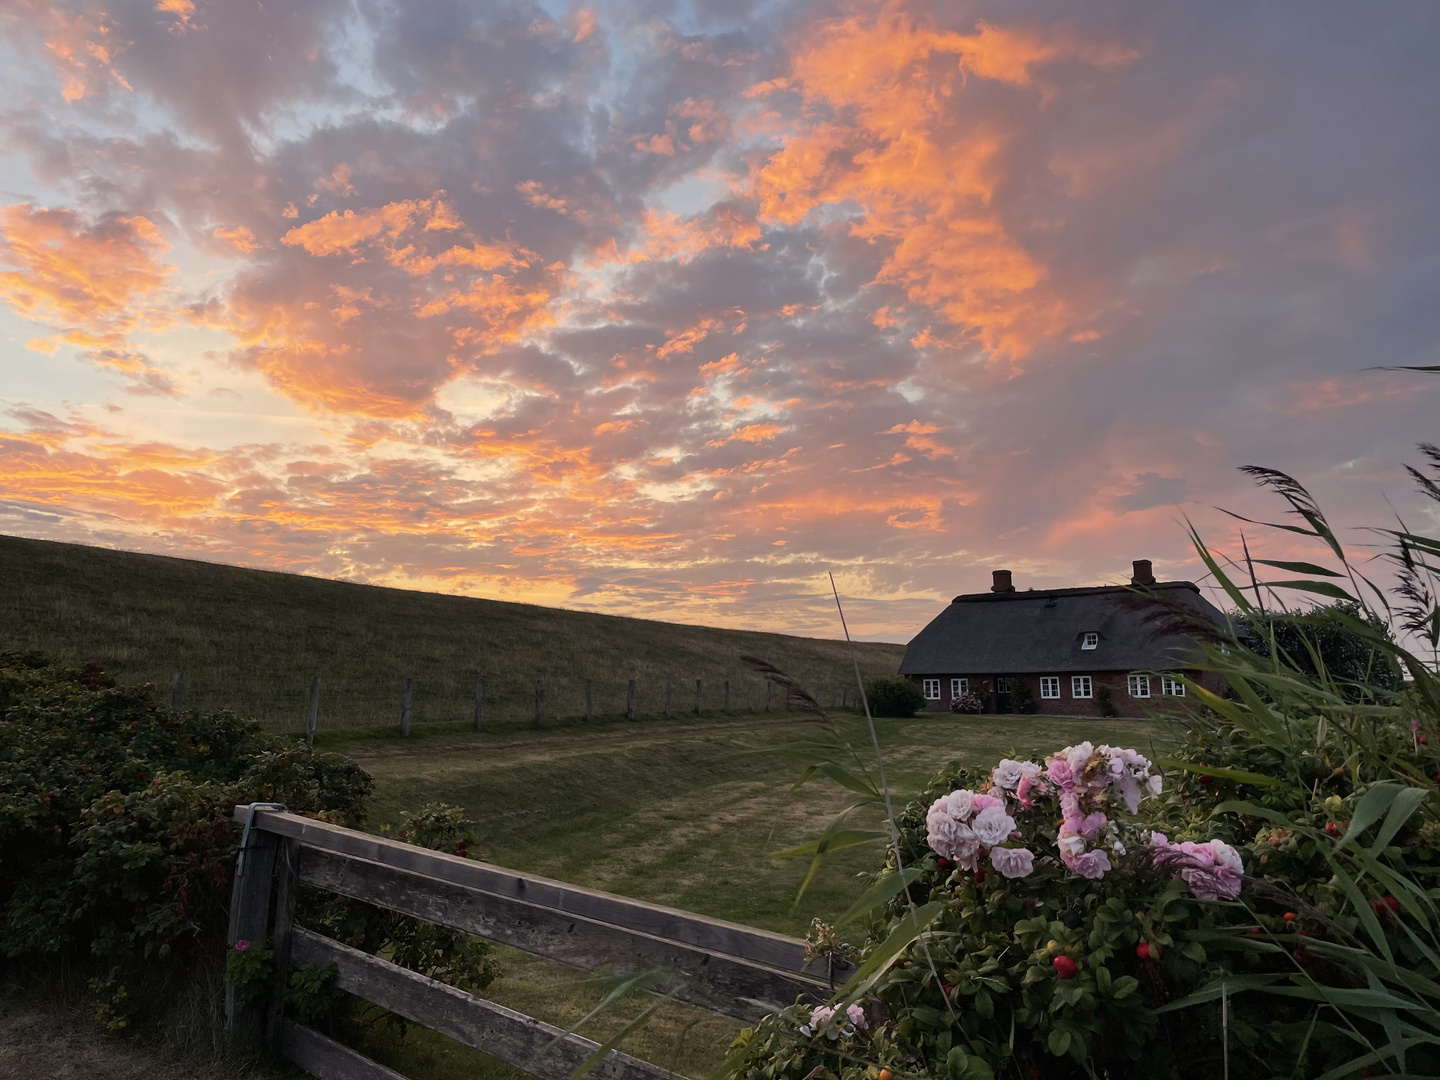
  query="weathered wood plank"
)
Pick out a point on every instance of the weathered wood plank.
point(323, 1057)
point(715, 935)
point(716, 982)
point(529, 1044)
point(250, 921)
point(283, 936)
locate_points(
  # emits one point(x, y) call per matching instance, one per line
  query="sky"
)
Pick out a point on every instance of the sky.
point(672, 309)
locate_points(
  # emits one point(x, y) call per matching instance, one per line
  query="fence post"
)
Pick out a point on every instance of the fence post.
point(177, 692)
point(727, 695)
point(589, 701)
point(479, 703)
point(667, 699)
point(749, 696)
point(288, 854)
point(698, 696)
point(769, 693)
point(405, 707)
point(539, 702)
point(630, 701)
point(314, 713)
point(249, 920)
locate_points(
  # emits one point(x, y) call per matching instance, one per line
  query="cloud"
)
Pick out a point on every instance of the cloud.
point(672, 316)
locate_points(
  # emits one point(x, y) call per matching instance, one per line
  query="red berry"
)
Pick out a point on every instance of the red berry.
point(1289, 916)
point(1065, 967)
point(1143, 950)
point(1205, 781)
point(1422, 740)
point(979, 874)
point(1332, 829)
point(943, 863)
point(1254, 931)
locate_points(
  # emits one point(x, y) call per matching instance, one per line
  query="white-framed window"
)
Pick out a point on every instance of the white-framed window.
point(1049, 686)
point(958, 687)
point(1002, 684)
point(1081, 686)
point(1091, 640)
point(1139, 685)
point(1170, 686)
point(932, 689)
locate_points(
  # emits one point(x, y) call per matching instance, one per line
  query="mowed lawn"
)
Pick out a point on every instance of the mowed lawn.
point(690, 816)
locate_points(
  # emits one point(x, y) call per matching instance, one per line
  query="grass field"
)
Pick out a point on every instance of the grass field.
point(252, 639)
point(689, 817)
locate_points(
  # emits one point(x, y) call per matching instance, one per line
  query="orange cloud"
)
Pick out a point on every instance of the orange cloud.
point(882, 130)
point(240, 237)
point(687, 339)
point(76, 273)
point(81, 47)
point(750, 433)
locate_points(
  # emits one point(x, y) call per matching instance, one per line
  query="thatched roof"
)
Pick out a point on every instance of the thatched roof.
point(1040, 632)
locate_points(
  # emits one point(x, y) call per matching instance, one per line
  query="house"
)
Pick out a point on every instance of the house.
point(1072, 652)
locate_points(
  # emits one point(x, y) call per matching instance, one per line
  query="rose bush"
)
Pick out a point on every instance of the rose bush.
point(117, 838)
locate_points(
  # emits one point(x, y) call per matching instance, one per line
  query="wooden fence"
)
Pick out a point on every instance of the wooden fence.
point(732, 970)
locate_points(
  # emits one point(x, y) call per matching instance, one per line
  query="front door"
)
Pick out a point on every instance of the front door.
point(1002, 695)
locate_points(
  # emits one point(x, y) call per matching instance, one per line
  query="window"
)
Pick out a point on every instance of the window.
point(932, 689)
point(1091, 640)
point(1049, 686)
point(1002, 684)
point(958, 687)
point(1080, 686)
point(1139, 685)
point(1170, 686)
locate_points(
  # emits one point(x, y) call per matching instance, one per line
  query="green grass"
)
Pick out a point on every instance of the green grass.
point(251, 640)
point(676, 816)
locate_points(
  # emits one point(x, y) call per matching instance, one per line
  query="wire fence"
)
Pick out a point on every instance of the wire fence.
point(488, 703)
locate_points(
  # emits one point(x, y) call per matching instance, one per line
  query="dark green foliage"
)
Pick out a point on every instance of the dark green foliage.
point(893, 696)
point(1330, 642)
point(1022, 698)
point(117, 837)
point(1105, 701)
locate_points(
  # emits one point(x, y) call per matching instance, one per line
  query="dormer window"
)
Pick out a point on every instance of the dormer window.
point(1091, 640)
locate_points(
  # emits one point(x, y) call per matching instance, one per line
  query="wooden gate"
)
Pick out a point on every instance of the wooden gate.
point(733, 970)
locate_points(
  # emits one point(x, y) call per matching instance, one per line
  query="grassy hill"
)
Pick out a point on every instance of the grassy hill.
point(252, 639)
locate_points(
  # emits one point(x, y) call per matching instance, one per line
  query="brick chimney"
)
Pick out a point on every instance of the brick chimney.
point(1142, 575)
point(1002, 581)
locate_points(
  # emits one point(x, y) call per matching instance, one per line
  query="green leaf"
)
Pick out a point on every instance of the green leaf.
point(1211, 991)
point(907, 928)
point(1405, 805)
point(1239, 776)
point(1319, 588)
point(1059, 1042)
point(881, 892)
point(1370, 809)
point(833, 840)
point(1299, 568)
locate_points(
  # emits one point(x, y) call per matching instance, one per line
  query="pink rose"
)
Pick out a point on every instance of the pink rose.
point(1059, 772)
point(984, 802)
point(1089, 864)
point(241, 945)
point(857, 1017)
point(1012, 862)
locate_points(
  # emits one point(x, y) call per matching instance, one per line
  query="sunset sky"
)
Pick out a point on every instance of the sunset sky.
point(668, 309)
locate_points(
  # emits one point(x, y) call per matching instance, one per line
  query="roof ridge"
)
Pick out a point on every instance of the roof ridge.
point(1085, 590)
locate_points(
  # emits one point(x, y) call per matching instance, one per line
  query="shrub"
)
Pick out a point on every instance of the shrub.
point(1022, 698)
point(894, 696)
point(117, 838)
point(1105, 701)
point(968, 703)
